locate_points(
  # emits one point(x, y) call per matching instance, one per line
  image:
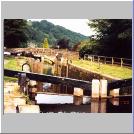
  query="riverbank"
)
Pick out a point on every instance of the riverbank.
point(104, 69)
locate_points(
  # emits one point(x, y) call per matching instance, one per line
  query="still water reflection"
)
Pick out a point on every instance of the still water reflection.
point(69, 103)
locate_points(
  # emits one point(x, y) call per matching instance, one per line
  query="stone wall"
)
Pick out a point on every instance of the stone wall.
point(84, 74)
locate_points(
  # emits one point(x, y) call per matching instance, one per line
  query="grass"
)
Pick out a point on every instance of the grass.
point(114, 71)
point(13, 64)
point(9, 79)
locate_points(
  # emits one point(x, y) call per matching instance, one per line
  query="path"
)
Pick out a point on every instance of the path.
point(15, 101)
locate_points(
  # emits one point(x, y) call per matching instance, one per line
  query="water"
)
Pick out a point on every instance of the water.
point(68, 103)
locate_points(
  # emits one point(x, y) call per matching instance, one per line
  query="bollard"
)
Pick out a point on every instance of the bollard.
point(115, 92)
point(95, 88)
point(103, 88)
point(78, 92)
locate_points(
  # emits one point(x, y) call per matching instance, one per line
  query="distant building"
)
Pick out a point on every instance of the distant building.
point(31, 45)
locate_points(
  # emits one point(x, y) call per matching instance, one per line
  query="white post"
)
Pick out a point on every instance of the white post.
point(42, 59)
point(78, 92)
point(103, 88)
point(95, 88)
point(115, 92)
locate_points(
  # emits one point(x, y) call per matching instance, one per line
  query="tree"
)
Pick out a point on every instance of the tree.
point(45, 44)
point(63, 43)
point(54, 33)
point(15, 33)
point(113, 36)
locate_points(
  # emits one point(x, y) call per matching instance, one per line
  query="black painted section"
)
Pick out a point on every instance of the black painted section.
point(120, 83)
point(51, 79)
point(67, 81)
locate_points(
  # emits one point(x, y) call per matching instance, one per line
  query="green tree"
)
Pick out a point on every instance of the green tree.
point(15, 33)
point(63, 43)
point(54, 33)
point(113, 36)
point(45, 44)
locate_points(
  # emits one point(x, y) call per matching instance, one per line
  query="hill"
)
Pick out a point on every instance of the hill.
point(44, 29)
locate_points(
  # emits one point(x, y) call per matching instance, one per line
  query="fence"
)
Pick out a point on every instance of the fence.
point(109, 60)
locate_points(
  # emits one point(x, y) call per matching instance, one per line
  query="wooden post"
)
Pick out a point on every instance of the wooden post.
point(40, 71)
point(98, 59)
point(112, 60)
point(93, 58)
point(104, 60)
point(95, 88)
point(121, 62)
point(103, 88)
point(67, 68)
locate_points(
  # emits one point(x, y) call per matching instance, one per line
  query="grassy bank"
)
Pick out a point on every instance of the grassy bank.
point(114, 71)
point(13, 64)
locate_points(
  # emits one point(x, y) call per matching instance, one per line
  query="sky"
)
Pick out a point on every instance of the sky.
point(76, 25)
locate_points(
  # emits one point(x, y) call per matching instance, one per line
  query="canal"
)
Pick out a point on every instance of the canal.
point(59, 98)
point(87, 105)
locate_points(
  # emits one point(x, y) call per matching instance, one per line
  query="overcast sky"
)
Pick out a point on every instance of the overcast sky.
point(76, 25)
